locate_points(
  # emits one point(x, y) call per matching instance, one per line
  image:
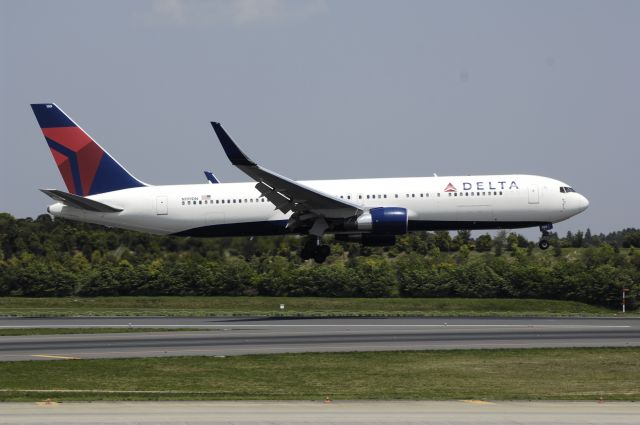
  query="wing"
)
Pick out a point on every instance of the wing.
point(287, 195)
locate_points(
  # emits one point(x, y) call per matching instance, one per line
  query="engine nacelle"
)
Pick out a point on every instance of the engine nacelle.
point(384, 221)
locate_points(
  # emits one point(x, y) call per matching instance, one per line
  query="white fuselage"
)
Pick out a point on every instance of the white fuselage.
point(432, 203)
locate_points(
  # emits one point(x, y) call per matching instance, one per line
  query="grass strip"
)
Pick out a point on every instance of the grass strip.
point(73, 331)
point(293, 307)
point(525, 374)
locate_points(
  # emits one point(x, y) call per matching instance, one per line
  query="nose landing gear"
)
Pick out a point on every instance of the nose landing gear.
point(313, 249)
point(544, 240)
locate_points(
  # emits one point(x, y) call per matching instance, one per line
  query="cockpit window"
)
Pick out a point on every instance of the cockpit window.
point(566, 189)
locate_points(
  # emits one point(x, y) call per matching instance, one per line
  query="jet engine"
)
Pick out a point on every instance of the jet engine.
point(384, 221)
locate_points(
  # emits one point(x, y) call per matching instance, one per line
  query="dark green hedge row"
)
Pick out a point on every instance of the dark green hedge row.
point(60, 258)
point(595, 277)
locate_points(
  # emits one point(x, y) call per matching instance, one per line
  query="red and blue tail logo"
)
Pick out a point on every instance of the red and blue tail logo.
point(86, 168)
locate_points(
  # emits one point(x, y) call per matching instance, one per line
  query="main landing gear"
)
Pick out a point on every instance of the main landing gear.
point(313, 249)
point(544, 240)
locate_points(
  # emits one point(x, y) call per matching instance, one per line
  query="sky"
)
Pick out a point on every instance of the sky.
point(320, 89)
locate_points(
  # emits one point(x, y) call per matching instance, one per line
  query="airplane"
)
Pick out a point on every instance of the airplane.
point(372, 212)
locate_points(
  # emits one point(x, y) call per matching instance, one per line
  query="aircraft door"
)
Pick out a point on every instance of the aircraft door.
point(162, 205)
point(534, 195)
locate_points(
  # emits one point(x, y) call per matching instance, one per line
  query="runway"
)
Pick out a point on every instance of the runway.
point(378, 412)
point(235, 336)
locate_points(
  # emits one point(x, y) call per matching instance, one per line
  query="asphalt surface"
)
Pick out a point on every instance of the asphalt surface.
point(377, 412)
point(235, 336)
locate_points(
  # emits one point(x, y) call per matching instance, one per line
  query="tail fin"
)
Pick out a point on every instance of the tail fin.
point(86, 168)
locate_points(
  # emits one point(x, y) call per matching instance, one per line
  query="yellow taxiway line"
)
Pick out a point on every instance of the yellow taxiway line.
point(48, 356)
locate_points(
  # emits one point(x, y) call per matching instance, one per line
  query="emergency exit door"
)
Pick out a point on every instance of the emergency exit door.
point(162, 205)
point(534, 196)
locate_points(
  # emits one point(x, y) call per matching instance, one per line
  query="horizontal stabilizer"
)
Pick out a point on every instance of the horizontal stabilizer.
point(79, 202)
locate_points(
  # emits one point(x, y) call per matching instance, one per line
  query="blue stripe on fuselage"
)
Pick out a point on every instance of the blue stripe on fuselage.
point(278, 227)
point(256, 228)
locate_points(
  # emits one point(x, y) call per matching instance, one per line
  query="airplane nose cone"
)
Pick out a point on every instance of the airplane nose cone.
point(582, 203)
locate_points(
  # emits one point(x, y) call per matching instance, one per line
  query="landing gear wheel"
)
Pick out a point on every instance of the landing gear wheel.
point(544, 242)
point(313, 249)
point(322, 252)
point(306, 254)
point(309, 249)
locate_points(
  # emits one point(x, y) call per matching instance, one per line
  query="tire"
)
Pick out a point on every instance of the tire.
point(307, 253)
point(543, 244)
point(325, 250)
point(322, 252)
point(309, 249)
point(319, 258)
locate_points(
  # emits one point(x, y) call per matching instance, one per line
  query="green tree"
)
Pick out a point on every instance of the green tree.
point(631, 239)
point(443, 241)
point(499, 242)
point(484, 243)
point(463, 237)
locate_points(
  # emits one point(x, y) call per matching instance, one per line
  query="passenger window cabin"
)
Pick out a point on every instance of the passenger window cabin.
point(208, 201)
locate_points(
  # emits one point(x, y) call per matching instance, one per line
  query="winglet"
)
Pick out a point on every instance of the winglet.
point(236, 156)
point(211, 178)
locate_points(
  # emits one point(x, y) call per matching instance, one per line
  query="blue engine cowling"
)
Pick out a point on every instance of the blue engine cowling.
point(384, 221)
